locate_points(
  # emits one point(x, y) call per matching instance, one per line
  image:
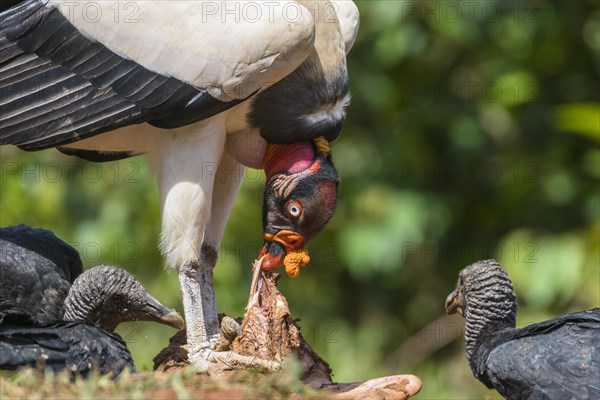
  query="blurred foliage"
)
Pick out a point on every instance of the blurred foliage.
point(473, 133)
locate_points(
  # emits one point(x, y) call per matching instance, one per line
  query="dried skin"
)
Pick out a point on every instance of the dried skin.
point(268, 331)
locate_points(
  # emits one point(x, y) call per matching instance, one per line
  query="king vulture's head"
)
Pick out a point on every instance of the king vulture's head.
point(300, 197)
point(298, 116)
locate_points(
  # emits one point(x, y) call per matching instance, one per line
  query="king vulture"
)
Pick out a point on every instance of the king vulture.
point(204, 89)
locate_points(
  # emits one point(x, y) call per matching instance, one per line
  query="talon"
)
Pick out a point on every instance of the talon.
point(230, 328)
point(204, 345)
point(216, 362)
point(230, 360)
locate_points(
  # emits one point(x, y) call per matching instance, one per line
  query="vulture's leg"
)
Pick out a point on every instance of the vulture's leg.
point(195, 207)
point(228, 179)
point(186, 165)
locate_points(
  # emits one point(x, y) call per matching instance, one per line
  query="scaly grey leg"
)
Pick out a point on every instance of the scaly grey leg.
point(196, 281)
point(202, 323)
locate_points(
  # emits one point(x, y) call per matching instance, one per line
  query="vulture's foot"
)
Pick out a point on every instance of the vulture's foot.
point(218, 357)
point(209, 342)
point(216, 362)
point(230, 329)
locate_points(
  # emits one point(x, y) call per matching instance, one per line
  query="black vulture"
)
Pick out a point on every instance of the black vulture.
point(34, 285)
point(557, 359)
point(77, 346)
point(44, 318)
point(204, 94)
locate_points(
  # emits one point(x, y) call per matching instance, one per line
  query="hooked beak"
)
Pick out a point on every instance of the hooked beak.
point(276, 246)
point(273, 253)
point(453, 303)
point(154, 310)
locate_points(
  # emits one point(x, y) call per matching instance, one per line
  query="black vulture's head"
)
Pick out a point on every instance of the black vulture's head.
point(106, 296)
point(484, 296)
point(300, 198)
point(483, 287)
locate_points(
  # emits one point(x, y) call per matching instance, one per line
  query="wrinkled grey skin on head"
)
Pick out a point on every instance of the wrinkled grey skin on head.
point(485, 297)
point(106, 296)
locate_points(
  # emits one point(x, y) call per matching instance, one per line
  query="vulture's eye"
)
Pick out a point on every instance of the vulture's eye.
point(293, 208)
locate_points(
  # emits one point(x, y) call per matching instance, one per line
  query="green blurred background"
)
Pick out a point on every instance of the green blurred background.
point(473, 133)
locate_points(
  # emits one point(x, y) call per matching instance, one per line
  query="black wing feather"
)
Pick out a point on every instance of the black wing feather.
point(75, 346)
point(554, 359)
point(58, 86)
point(32, 243)
point(36, 271)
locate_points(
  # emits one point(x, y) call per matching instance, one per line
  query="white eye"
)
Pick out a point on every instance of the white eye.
point(293, 208)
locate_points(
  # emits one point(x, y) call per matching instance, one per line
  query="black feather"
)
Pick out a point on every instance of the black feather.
point(96, 156)
point(59, 86)
point(36, 271)
point(554, 359)
point(42, 245)
point(283, 111)
point(76, 346)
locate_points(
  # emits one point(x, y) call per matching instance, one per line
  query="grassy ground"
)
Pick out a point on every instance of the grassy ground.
point(180, 384)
